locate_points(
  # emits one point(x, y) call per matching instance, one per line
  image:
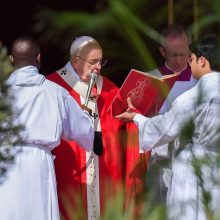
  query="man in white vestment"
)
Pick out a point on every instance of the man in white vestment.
point(174, 48)
point(188, 194)
point(47, 112)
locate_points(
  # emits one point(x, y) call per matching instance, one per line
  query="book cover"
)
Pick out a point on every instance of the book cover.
point(147, 92)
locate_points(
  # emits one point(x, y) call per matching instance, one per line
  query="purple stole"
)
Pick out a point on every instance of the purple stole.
point(185, 75)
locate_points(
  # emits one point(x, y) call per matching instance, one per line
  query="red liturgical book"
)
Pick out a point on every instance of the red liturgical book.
point(147, 92)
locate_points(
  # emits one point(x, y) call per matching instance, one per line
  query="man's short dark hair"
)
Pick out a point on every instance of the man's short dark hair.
point(208, 47)
point(24, 51)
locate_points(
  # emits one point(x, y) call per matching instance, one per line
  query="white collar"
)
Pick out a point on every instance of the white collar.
point(72, 70)
point(178, 72)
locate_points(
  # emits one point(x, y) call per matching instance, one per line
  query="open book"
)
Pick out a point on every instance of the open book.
point(147, 92)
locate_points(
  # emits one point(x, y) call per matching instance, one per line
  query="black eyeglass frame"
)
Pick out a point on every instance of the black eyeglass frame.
point(94, 62)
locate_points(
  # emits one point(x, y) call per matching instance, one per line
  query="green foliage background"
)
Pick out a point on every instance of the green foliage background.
point(8, 133)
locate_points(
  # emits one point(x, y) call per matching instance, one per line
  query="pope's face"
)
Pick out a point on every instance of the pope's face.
point(89, 62)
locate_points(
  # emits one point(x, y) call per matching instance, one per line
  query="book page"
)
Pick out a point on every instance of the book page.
point(146, 91)
point(148, 74)
point(156, 77)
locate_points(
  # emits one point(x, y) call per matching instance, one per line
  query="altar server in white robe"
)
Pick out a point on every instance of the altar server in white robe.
point(201, 105)
point(47, 112)
point(174, 48)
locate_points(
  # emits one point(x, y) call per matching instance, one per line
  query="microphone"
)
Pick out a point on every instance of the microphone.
point(92, 81)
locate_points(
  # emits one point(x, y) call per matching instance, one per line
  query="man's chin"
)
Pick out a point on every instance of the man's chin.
point(178, 69)
point(84, 79)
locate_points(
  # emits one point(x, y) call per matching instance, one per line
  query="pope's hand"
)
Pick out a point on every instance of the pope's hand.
point(129, 114)
point(84, 108)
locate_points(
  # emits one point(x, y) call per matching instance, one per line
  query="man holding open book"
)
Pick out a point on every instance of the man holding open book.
point(194, 190)
point(174, 49)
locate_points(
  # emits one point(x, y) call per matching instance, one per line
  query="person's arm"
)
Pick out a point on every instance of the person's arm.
point(160, 129)
point(78, 124)
point(156, 131)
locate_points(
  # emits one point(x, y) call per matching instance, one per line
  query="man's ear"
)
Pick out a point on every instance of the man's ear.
point(38, 57)
point(161, 49)
point(203, 61)
point(74, 62)
point(11, 58)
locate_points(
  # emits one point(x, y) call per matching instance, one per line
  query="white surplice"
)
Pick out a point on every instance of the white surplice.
point(47, 112)
point(178, 88)
point(202, 105)
point(165, 152)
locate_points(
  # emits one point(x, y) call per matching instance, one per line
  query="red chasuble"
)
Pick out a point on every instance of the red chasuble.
point(121, 168)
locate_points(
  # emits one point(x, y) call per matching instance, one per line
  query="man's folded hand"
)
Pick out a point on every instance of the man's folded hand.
point(84, 108)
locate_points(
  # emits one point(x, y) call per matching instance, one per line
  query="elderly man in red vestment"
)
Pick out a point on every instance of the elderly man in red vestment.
point(86, 180)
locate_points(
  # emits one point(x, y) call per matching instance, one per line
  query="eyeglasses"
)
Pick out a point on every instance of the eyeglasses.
point(94, 62)
point(176, 55)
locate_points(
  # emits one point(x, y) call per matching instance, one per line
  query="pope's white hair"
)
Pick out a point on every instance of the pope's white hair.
point(80, 42)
